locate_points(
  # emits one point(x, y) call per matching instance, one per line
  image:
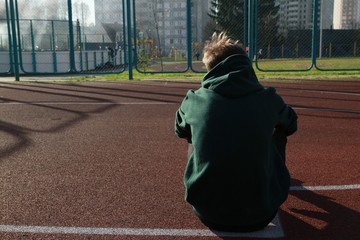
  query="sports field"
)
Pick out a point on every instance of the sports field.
point(100, 160)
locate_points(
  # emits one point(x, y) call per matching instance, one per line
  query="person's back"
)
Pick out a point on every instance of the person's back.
point(236, 177)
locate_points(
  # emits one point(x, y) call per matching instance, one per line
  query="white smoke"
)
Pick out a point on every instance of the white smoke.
point(56, 10)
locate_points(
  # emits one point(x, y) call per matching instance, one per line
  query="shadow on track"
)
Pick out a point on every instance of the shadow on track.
point(17, 136)
point(340, 222)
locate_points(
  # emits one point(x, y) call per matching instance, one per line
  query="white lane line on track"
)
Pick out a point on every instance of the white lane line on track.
point(322, 91)
point(325, 188)
point(273, 230)
point(86, 103)
point(327, 110)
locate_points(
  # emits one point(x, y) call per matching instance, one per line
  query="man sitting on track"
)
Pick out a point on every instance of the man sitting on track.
point(236, 177)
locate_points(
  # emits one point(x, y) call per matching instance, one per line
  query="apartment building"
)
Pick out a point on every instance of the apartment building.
point(295, 14)
point(162, 22)
point(326, 17)
point(298, 14)
point(347, 14)
point(333, 14)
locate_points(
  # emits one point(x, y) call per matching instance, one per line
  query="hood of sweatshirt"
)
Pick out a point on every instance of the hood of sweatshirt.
point(233, 77)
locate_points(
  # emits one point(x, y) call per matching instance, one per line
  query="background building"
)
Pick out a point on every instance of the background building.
point(295, 15)
point(327, 14)
point(333, 14)
point(161, 23)
point(347, 14)
point(298, 14)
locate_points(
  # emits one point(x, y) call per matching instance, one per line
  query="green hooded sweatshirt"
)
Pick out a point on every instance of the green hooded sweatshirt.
point(235, 175)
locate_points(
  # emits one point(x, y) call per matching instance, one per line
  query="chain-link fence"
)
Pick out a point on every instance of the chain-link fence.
point(161, 36)
point(107, 36)
point(294, 35)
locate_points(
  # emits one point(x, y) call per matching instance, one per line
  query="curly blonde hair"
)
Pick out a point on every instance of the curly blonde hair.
point(219, 47)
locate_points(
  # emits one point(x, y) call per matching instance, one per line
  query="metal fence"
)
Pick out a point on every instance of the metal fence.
point(161, 36)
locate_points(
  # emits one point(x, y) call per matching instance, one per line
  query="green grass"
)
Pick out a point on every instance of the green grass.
point(190, 76)
point(310, 75)
point(297, 69)
point(290, 70)
point(305, 63)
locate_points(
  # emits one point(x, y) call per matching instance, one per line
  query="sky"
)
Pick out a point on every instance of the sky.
point(42, 9)
point(91, 7)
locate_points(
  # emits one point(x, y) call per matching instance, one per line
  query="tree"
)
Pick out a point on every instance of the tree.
point(209, 29)
point(157, 28)
point(228, 16)
point(268, 12)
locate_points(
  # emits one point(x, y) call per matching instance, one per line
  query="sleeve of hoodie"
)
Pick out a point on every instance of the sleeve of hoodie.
point(182, 128)
point(287, 117)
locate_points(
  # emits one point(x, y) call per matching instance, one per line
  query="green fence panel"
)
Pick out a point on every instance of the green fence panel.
point(100, 45)
point(280, 44)
point(339, 39)
point(161, 35)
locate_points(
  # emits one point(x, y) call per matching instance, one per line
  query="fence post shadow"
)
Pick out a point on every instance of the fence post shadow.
point(21, 139)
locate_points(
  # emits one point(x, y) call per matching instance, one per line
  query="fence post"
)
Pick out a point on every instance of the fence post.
point(255, 29)
point(33, 54)
point(15, 49)
point(124, 31)
point(245, 24)
point(9, 36)
point(102, 52)
point(84, 48)
point(189, 37)
point(251, 31)
point(95, 59)
point(71, 39)
point(86, 60)
point(355, 47)
point(78, 37)
point(53, 45)
point(135, 36)
point(128, 11)
point(314, 33)
point(16, 10)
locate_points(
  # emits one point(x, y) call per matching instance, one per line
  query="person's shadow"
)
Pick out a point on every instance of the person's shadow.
point(338, 221)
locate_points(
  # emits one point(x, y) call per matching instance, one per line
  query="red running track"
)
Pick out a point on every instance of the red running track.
point(100, 161)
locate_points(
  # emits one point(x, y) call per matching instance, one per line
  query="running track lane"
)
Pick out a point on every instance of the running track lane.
point(126, 172)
